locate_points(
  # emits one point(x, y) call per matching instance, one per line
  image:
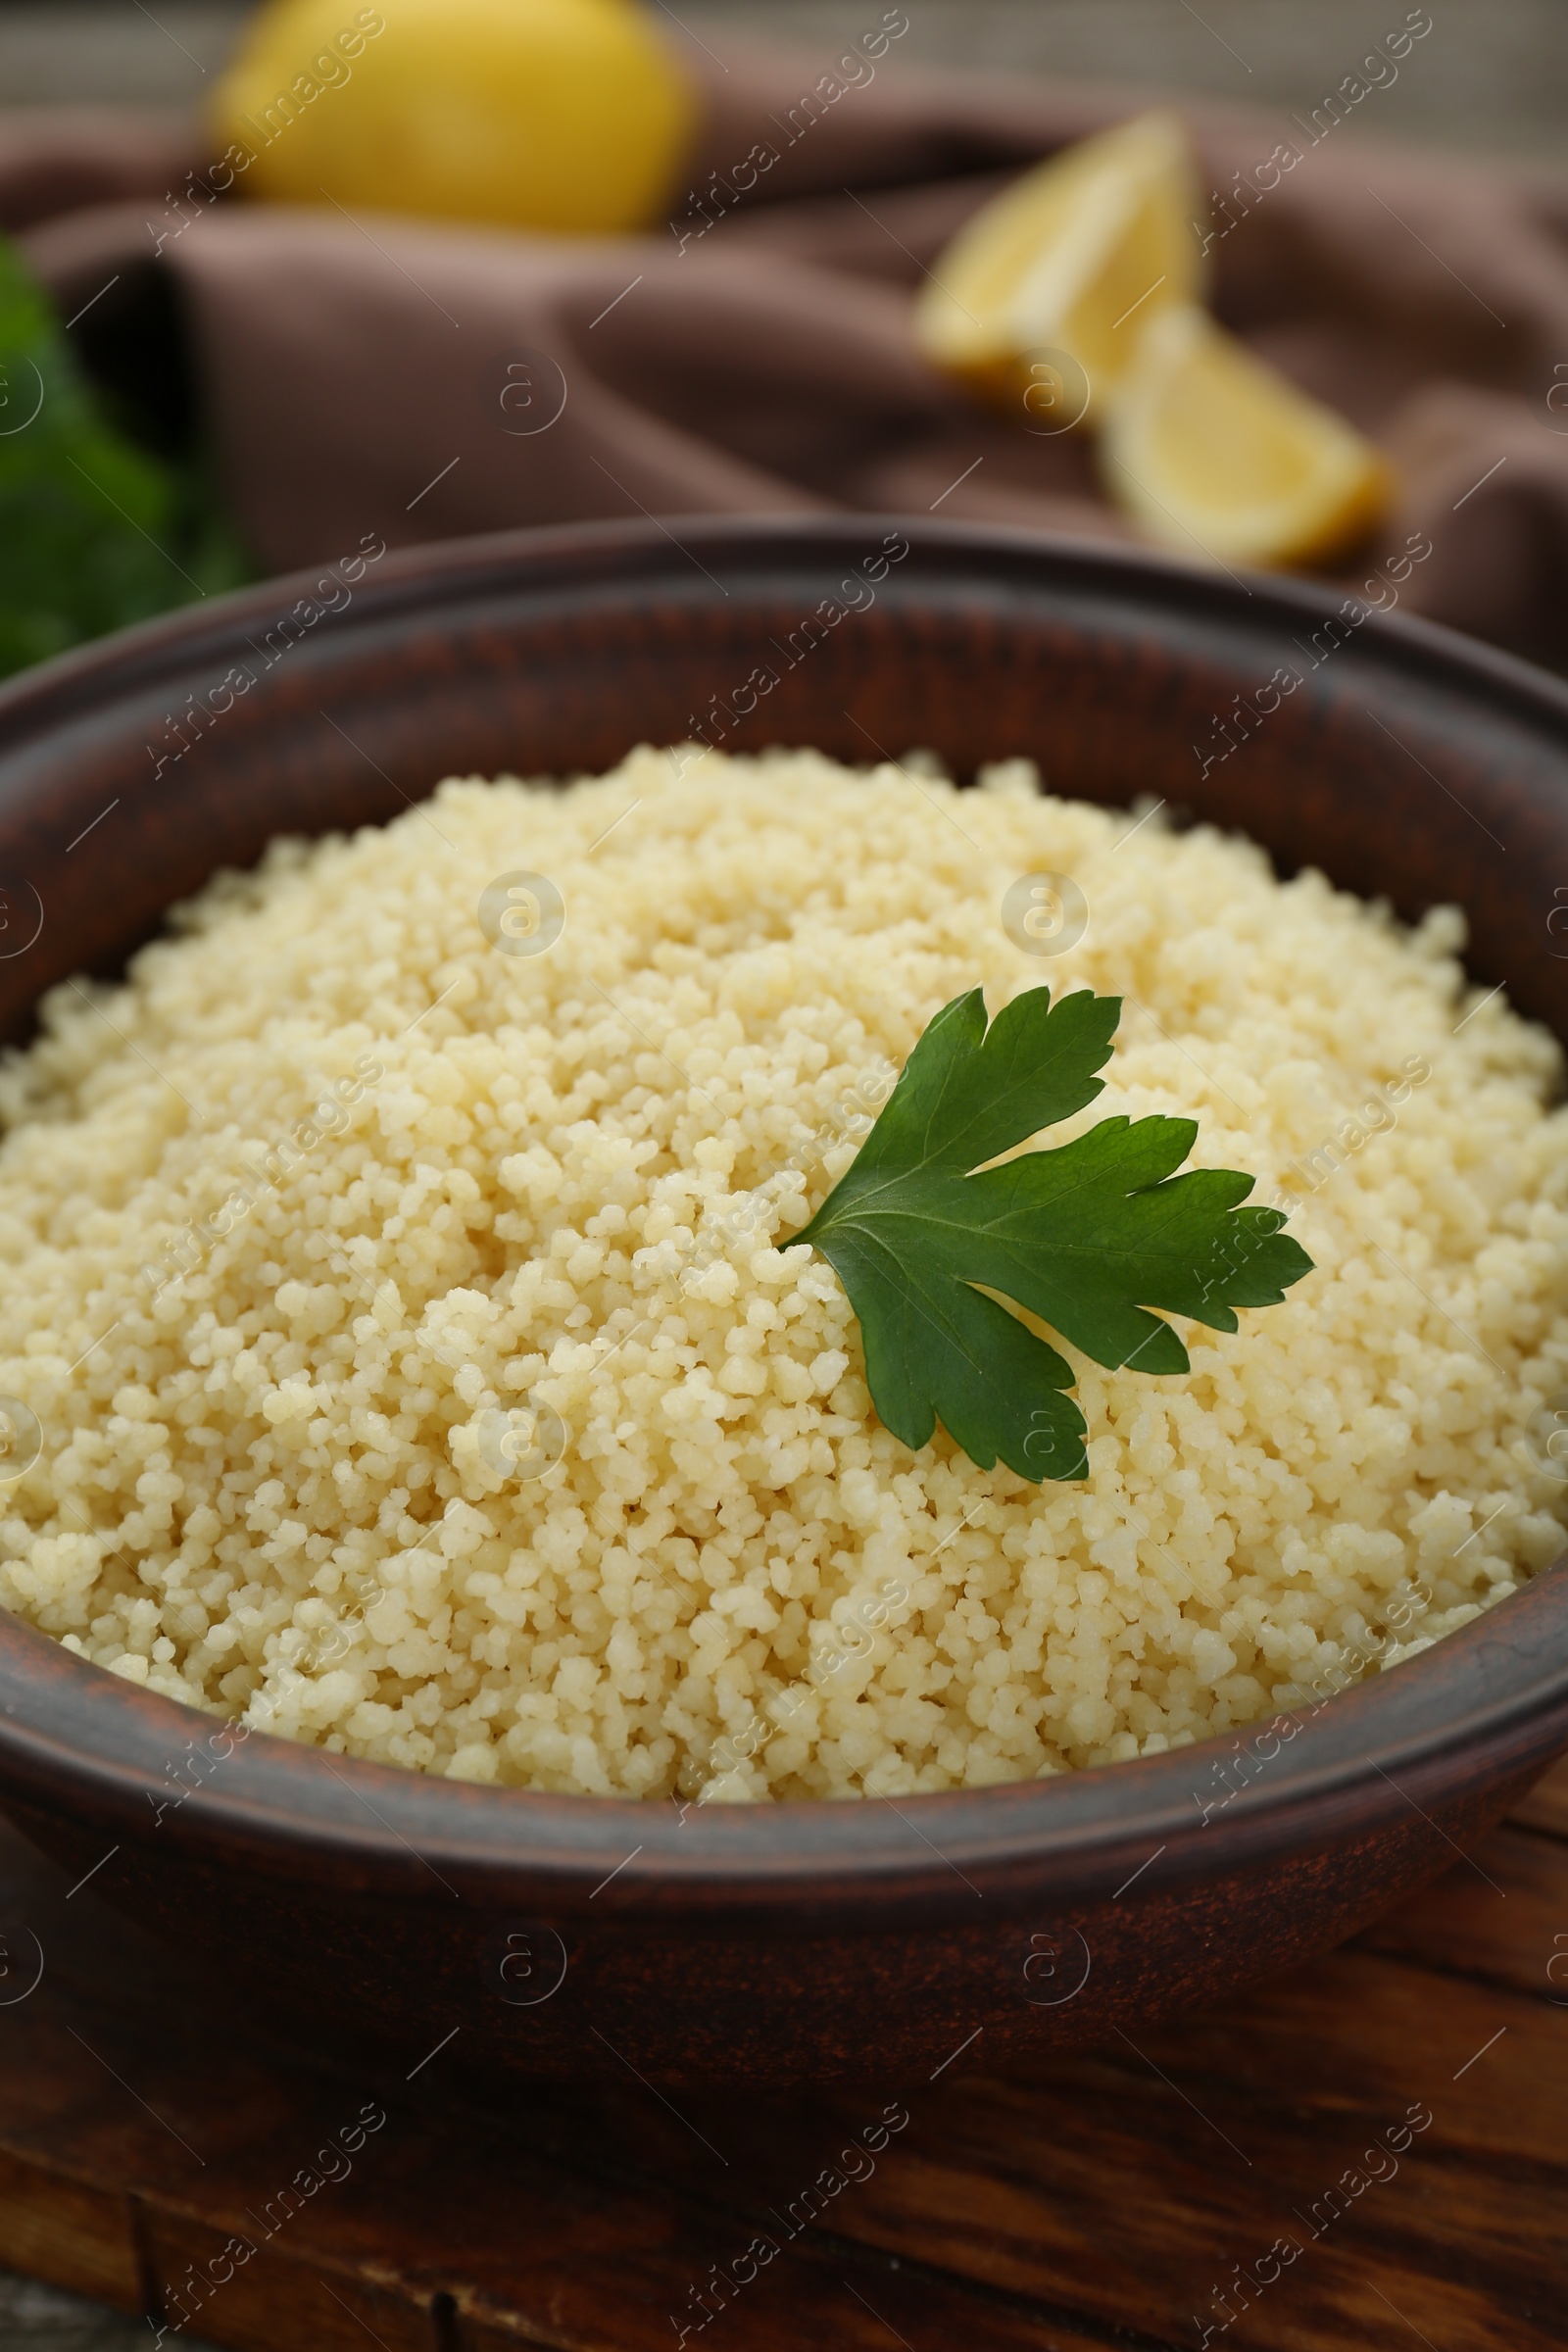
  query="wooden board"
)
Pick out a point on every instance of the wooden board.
point(1129, 2198)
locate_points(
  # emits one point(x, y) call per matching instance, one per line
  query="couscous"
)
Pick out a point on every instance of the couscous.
point(396, 1354)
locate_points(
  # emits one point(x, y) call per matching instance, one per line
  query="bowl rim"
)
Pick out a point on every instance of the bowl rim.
point(63, 686)
point(73, 1735)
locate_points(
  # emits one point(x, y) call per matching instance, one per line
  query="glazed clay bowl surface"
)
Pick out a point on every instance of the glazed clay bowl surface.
point(778, 1943)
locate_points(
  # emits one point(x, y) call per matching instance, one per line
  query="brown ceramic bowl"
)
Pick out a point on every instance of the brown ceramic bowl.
point(785, 1942)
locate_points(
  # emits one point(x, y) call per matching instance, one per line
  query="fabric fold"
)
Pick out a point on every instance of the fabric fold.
point(753, 352)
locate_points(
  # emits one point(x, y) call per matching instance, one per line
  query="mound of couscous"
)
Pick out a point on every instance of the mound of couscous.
point(395, 1352)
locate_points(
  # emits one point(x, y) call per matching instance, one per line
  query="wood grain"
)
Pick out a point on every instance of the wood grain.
point(147, 2123)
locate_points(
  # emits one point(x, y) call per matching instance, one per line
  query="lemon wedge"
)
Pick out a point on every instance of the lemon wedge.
point(564, 115)
point(1073, 260)
point(1215, 452)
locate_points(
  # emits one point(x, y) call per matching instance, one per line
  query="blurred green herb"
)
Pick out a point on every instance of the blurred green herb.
point(1086, 1236)
point(95, 532)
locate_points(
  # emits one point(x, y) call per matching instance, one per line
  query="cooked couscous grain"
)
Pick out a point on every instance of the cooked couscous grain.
point(394, 1299)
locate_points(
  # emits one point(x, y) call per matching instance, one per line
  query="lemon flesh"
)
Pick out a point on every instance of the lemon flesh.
point(564, 115)
point(1074, 258)
point(1215, 452)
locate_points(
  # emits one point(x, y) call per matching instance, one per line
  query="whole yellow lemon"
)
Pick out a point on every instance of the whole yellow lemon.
point(564, 115)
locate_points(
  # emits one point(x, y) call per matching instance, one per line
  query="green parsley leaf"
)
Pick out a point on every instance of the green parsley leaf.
point(95, 532)
point(1087, 1237)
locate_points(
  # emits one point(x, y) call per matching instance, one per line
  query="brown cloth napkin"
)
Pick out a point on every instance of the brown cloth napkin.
point(367, 374)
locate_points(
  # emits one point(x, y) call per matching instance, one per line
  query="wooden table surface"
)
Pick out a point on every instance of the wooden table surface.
point(1128, 2198)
